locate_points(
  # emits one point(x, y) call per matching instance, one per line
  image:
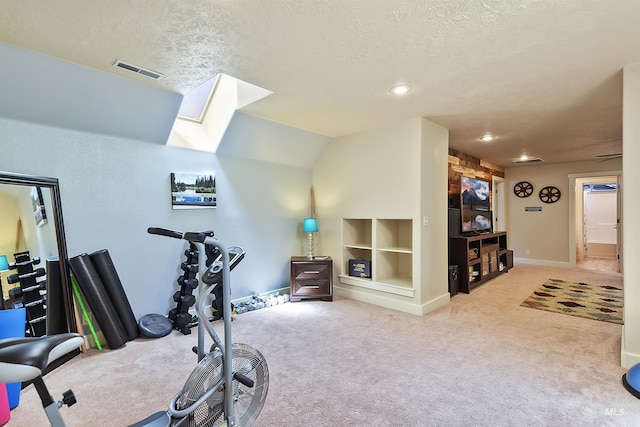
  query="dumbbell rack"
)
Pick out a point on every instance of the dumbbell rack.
point(32, 291)
point(184, 297)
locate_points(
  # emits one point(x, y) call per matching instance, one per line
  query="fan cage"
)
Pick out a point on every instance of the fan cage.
point(248, 401)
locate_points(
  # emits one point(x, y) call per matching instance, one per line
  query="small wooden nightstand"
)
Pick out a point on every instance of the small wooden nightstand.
point(311, 278)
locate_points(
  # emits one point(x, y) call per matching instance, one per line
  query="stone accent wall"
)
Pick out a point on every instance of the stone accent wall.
point(464, 164)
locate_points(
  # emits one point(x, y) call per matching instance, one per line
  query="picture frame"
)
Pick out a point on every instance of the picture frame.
point(37, 202)
point(193, 191)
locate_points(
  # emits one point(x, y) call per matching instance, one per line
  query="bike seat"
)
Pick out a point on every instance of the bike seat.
point(23, 359)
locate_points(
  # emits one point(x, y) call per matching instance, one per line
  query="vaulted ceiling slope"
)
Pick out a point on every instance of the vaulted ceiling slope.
point(544, 76)
point(45, 90)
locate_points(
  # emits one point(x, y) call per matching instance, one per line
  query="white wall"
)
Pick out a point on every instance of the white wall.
point(380, 174)
point(9, 217)
point(433, 194)
point(630, 354)
point(545, 234)
point(112, 189)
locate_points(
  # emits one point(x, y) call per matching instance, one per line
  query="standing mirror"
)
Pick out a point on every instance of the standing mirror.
point(31, 220)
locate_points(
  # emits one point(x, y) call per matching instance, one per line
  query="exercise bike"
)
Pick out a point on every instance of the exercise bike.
point(228, 386)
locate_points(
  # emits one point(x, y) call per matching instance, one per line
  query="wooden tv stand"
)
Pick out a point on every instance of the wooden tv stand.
point(479, 258)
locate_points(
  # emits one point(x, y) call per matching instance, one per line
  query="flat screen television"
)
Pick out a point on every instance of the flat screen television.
point(475, 205)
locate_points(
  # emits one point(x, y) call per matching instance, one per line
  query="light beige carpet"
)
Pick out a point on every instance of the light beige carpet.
point(482, 360)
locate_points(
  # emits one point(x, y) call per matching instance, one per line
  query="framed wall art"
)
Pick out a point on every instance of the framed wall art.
point(193, 191)
point(38, 206)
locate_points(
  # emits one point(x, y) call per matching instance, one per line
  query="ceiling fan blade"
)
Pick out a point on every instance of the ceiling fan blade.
point(609, 158)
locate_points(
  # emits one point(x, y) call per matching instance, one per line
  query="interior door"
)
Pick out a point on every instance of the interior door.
point(498, 204)
point(619, 222)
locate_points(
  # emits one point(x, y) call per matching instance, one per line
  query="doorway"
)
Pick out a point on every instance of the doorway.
point(498, 204)
point(597, 223)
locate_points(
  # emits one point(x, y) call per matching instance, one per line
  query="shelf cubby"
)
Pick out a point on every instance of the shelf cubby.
point(356, 233)
point(394, 235)
point(394, 268)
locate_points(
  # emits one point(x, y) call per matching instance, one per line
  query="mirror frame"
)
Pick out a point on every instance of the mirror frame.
point(53, 185)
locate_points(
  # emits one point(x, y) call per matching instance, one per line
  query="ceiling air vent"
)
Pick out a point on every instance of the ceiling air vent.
point(138, 70)
point(527, 160)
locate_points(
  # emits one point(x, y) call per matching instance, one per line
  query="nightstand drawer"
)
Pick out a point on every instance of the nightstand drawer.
point(311, 287)
point(310, 271)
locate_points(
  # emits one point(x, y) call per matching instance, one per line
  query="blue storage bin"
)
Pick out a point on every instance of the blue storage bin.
point(12, 325)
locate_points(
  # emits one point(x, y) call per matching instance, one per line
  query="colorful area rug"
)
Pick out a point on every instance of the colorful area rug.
point(599, 302)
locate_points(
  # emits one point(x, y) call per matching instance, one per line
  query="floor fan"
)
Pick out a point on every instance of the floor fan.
point(248, 401)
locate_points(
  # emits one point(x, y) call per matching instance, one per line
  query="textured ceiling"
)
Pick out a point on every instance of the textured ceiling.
point(544, 76)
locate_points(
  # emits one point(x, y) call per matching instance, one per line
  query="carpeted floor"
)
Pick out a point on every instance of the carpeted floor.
point(598, 264)
point(599, 302)
point(481, 360)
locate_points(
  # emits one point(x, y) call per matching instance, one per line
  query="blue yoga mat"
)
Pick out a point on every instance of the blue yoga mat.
point(12, 325)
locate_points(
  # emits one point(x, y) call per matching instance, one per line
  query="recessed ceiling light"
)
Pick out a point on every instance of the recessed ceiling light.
point(487, 137)
point(524, 159)
point(400, 89)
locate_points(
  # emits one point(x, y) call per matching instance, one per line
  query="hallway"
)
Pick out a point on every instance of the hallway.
point(598, 264)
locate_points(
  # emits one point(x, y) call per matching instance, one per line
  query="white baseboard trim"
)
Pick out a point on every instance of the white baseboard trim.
point(436, 303)
point(627, 359)
point(393, 304)
point(541, 262)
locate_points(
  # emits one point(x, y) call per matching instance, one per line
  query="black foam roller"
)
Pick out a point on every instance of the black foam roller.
point(107, 271)
point(96, 295)
point(56, 317)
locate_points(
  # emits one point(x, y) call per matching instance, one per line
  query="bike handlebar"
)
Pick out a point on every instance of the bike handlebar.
point(190, 236)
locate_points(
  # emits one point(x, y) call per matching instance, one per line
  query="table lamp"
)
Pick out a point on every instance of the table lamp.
point(4, 266)
point(310, 226)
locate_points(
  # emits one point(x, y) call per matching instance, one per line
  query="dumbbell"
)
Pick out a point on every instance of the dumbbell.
point(35, 303)
point(177, 296)
point(188, 301)
point(14, 265)
point(189, 268)
point(41, 286)
point(15, 292)
point(191, 254)
point(188, 283)
point(15, 278)
point(182, 319)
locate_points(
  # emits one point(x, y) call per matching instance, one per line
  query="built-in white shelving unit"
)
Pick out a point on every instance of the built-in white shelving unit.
point(388, 244)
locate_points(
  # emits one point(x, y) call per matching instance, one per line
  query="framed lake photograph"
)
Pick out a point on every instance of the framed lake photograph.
point(38, 206)
point(193, 191)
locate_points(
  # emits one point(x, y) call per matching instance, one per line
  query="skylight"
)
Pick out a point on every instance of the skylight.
point(207, 110)
point(195, 102)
